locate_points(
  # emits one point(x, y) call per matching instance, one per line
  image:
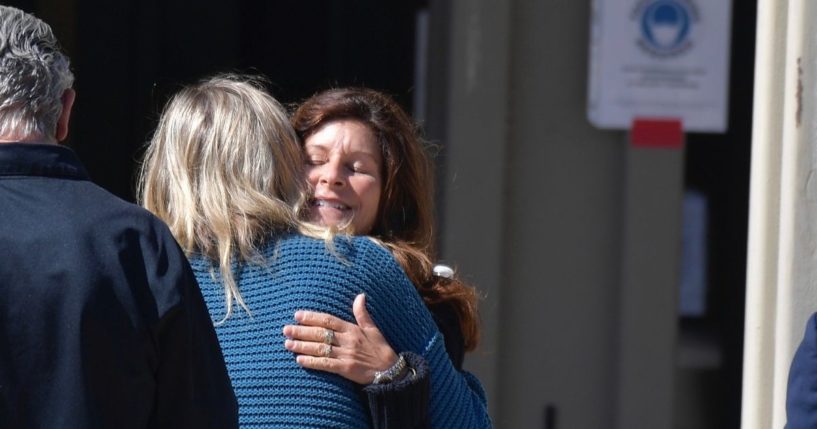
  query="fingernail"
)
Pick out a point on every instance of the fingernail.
point(289, 343)
point(299, 315)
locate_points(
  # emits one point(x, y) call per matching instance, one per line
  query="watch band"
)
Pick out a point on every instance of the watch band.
point(393, 372)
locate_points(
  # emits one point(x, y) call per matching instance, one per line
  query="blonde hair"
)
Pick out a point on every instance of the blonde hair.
point(224, 170)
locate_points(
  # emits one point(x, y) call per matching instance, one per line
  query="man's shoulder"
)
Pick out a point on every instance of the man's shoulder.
point(85, 209)
point(103, 215)
point(810, 335)
point(119, 209)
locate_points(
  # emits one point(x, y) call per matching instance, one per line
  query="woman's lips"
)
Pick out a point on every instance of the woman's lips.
point(317, 202)
point(329, 212)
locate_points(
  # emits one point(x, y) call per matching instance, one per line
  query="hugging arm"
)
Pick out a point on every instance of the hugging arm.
point(457, 399)
point(357, 352)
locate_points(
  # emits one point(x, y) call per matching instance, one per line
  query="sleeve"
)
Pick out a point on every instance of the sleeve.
point(456, 399)
point(404, 403)
point(801, 395)
point(448, 323)
point(192, 385)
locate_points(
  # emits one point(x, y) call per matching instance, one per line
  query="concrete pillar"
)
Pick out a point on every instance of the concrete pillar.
point(648, 315)
point(473, 209)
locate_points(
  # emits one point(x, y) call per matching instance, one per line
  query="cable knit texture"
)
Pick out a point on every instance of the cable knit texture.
point(301, 273)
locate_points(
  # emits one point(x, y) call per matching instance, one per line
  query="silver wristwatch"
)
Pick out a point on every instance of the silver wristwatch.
point(392, 373)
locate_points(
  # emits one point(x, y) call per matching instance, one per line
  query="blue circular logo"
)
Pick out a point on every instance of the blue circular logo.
point(665, 26)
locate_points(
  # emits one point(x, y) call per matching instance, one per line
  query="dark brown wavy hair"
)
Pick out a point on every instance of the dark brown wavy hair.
point(404, 222)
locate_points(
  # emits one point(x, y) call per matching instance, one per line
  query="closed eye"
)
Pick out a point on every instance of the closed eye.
point(358, 167)
point(315, 161)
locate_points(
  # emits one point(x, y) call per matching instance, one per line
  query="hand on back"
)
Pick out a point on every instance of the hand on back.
point(327, 343)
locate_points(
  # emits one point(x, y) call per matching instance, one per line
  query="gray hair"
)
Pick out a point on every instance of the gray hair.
point(34, 74)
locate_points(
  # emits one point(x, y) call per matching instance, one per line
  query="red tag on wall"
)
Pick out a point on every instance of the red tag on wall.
point(657, 133)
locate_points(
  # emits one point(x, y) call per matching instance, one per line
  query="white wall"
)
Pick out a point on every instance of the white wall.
point(782, 270)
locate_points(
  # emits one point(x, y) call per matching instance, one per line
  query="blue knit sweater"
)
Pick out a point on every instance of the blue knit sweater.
point(301, 273)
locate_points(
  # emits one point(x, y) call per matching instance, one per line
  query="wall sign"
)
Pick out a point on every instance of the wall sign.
point(660, 59)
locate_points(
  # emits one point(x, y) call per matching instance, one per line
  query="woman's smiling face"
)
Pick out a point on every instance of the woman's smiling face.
point(344, 168)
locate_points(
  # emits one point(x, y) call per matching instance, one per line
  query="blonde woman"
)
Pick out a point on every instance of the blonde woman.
point(223, 170)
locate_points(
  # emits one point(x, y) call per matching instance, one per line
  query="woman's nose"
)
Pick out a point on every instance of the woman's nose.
point(332, 175)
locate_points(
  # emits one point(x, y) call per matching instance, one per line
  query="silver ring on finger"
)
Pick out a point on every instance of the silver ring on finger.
point(329, 336)
point(327, 350)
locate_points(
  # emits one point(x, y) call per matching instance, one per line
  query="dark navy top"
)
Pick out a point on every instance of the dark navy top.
point(801, 395)
point(102, 324)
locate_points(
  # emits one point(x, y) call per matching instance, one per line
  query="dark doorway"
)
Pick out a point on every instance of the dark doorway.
point(718, 167)
point(130, 55)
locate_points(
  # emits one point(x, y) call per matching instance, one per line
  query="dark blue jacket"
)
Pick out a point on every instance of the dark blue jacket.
point(102, 324)
point(801, 395)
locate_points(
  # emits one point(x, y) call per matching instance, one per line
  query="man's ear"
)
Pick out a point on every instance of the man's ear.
point(65, 115)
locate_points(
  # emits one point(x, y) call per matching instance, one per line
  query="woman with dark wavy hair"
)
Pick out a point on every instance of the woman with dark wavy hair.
point(370, 175)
